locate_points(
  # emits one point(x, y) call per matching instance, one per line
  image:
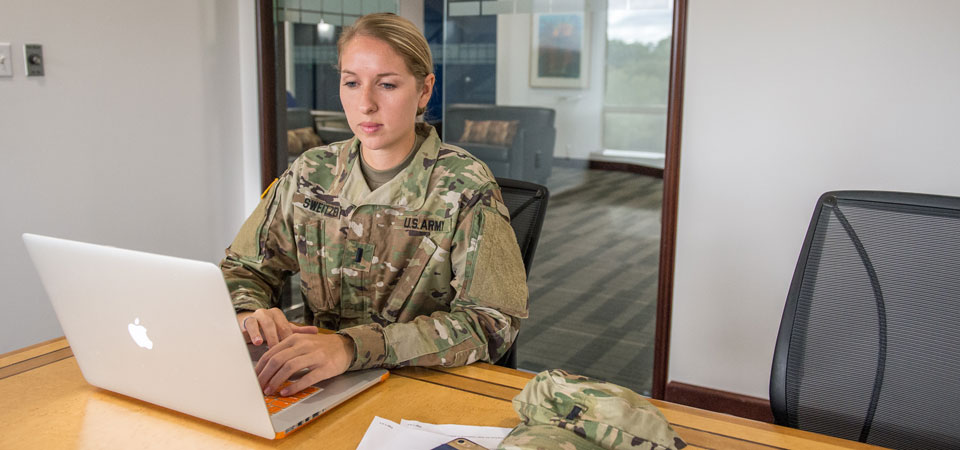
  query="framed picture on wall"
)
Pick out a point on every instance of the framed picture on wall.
point(559, 54)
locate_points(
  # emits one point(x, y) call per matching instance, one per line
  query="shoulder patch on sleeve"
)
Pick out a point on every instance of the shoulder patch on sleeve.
point(247, 242)
point(499, 278)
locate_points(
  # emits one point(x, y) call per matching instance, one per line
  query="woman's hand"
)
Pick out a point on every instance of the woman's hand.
point(323, 355)
point(269, 324)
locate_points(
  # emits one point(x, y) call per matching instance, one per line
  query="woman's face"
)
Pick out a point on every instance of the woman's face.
point(379, 94)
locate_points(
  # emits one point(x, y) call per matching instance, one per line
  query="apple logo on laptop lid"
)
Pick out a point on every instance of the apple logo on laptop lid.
point(139, 334)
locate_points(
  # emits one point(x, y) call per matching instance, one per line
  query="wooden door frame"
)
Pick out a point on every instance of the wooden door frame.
point(269, 166)
point(272, 102)
point(668, 211)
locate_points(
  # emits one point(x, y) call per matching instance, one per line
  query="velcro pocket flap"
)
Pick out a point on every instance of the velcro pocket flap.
point(409, 279)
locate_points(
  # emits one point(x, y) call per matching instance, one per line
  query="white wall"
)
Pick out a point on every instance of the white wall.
point(140, 135)
point(579, 119)
point(784, 101)
point(412, 10)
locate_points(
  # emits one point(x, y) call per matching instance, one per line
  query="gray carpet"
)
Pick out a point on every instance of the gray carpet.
point(593, 286)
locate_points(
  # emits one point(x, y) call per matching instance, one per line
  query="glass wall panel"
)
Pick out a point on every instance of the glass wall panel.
point(637, 80)
point(639, 130)
point(581, 87)
point(585, 85)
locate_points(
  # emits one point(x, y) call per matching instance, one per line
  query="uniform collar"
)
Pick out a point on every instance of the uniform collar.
point(406, 190)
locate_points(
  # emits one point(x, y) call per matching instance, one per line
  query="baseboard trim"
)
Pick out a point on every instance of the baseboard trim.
point(616, 166)
point(719, 401)
point(571, 163)
point(612, 166)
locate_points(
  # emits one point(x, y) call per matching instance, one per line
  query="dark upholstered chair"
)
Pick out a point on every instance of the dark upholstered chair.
point(869, 343)
point(529, 157)
point(302, 117)
point(299, 118)
point(527, 203)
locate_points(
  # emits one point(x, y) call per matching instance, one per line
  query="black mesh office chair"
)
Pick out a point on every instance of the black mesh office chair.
point(527, 203)
point(869, 343)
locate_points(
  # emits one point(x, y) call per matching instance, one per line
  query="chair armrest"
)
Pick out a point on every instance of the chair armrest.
point(330, 134)
point(518, 155)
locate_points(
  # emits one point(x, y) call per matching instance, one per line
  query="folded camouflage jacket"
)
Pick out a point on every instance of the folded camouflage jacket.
point(425, 270)
point(573, 412)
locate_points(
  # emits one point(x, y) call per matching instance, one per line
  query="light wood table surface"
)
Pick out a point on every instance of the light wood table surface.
point(46, 404)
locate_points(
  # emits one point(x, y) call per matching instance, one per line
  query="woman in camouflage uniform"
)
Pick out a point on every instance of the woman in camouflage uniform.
point(403, 243)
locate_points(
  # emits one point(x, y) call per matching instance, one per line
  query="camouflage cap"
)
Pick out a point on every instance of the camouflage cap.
point(546, 437)
point(565, 411)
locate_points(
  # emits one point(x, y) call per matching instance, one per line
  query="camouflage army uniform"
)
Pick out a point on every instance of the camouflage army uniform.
point(573, 412)
point(423, 271)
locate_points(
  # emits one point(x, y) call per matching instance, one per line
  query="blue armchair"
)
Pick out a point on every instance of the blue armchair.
point(528, 157)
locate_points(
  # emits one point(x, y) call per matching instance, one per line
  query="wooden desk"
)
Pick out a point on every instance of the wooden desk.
point(45, 403)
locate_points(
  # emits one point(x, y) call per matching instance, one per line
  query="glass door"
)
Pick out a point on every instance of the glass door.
point(580, 79)
point(584, 82)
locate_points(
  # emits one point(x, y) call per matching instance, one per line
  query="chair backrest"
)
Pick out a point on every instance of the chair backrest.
point(299, 118)
point(529, 117)
point(869, 343)
point(528, 157)
point(527, 203)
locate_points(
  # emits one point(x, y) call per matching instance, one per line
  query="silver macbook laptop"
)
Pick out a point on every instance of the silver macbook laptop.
point(163, 330)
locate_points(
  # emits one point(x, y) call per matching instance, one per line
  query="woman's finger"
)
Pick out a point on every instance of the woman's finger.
point(269, 365)
point(313, 377)
point(304, 329)
point(281, 327)
point(252, 327)
point(287, 370)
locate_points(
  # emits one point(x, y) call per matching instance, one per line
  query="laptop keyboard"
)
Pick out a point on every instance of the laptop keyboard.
point(277, 403)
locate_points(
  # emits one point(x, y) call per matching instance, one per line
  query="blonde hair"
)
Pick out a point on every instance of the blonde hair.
point(401, 35)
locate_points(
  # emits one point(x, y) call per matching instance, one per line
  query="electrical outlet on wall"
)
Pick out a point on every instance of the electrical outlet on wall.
point(6, 59)
point(33, 60)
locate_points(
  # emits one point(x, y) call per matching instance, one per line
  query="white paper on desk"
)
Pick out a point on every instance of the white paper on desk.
point(489, 437)
point(383, 433)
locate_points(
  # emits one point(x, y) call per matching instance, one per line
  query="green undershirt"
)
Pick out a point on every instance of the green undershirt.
point(376, 178)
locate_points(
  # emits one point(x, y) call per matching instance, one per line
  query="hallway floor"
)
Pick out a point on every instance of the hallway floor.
point(593, 287)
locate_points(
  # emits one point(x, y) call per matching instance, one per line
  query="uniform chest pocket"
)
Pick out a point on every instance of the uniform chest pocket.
point(408, 279)
point(312, 257)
